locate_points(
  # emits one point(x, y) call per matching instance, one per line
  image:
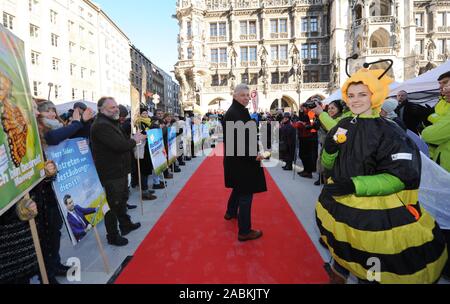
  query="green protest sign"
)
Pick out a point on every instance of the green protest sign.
point(21, 158)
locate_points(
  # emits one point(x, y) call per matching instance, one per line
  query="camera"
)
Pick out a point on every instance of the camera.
point(310, 104)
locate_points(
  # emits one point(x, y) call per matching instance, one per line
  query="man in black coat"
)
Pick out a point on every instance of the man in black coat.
point(242, 165)
point(111, 152)
point(412, 114)
point(287, 142)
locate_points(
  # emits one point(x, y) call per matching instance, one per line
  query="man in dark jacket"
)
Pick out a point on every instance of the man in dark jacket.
point(111, 151)
point(307, 127)
point(287, 142)
point(412, 114)
point(242, 169)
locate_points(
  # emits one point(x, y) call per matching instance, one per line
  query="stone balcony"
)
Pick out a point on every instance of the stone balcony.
point(420, 57)
point(279, 35)
point(247, 64)
point(374, 20)
point(381, 19)
point(217, 38)
point(248, 37)
point(280, 62)
point(315, 85)
point(442, 57)
point(443, 29)
point(215, 65)
point(420, 29)
point(309, 34)
point(283, 87)
point(380, 51)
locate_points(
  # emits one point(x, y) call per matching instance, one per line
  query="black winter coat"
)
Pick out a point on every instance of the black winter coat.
point(242, 173)
point(287, 142)
point(375, 146)
point(110, 149)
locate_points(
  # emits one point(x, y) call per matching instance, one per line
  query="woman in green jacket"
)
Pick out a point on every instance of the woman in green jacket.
point(369, 215)
point(437, 136)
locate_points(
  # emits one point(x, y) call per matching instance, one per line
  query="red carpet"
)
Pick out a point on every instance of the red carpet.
point(193, 244)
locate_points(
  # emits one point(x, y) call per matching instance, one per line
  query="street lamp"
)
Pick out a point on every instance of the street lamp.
point(50, 85)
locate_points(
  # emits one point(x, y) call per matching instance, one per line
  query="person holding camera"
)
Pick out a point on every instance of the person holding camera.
point(87, 118)
point(307, 127)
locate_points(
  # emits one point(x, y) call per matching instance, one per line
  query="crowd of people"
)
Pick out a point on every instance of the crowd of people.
point(369, 147)
point(306, 130)
point(116, 152)
point(364, 149)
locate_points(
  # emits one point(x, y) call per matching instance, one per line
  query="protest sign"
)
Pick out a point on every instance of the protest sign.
point(157, 150)
point(172, 144)
point(21, 158)
point(80, 194)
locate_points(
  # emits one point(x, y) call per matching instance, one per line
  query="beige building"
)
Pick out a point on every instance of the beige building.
point(290, 50)
point(73, 45)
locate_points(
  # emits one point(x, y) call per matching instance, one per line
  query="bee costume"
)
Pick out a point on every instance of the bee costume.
point(371, 208)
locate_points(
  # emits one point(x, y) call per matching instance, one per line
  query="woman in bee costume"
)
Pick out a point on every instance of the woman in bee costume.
point(369, 215)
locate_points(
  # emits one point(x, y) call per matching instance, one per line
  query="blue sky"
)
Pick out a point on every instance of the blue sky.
point(150, 27)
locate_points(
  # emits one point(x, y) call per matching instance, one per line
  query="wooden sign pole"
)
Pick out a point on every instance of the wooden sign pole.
point(139, 177)
point(37, 247)
point(102, 251)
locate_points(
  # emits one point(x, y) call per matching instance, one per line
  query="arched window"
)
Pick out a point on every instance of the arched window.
point(358, 11)
point(380, 38)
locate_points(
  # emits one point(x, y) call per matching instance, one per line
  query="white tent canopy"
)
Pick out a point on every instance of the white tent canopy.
point(425, 82)
point(65, 107)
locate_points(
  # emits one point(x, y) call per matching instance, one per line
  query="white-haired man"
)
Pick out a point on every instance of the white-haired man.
point(242, 165)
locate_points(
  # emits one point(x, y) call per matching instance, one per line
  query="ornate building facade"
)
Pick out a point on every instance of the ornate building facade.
point(73, 49)
point(291, 50)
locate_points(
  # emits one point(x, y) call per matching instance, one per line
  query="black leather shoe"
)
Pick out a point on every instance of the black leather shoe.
point(229, 217)
point(131, 207)
point(148, 197)
point(53, 281)
point(117, 240)
point(62, 270)
point(176, 170)
point(158, 187)
point(168, 176)
point(182, 164)
point(253, 235)
point(126, 230)
point(305, 174)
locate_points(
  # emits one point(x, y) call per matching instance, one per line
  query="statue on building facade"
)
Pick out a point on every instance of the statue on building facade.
point(430, 51)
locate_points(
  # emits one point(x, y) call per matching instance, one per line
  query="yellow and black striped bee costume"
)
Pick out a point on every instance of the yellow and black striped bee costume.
point(383, 218)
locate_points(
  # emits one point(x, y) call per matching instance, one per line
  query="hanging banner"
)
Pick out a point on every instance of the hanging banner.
point(80, 194)
point(172, 144)
point(157, 150)
point(21, 158)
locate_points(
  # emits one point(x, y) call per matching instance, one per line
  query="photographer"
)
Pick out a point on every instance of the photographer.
point(307, 127)
point(87, 118)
